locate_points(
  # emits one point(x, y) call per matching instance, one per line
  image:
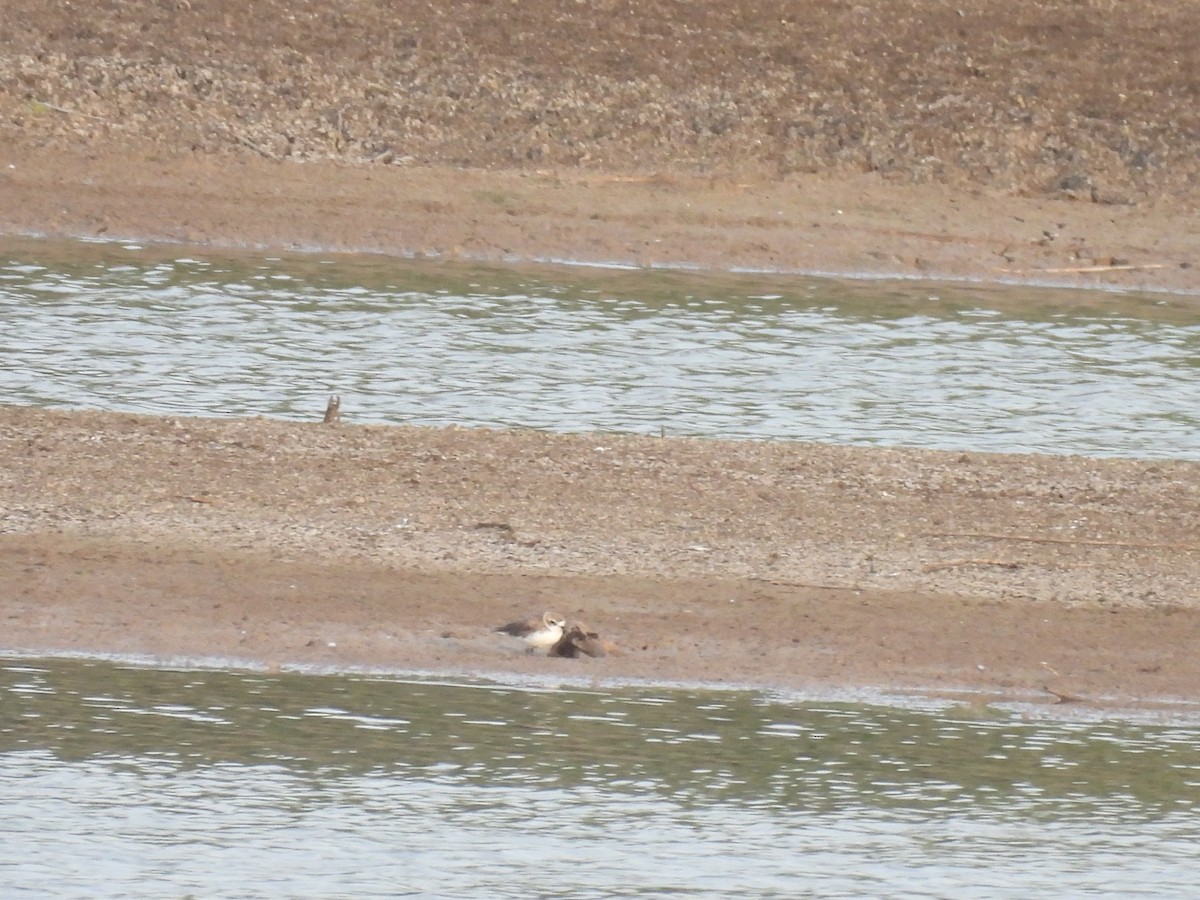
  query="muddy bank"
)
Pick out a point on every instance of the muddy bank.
point(813, 223)
point(1045, 142)
point(772, 564)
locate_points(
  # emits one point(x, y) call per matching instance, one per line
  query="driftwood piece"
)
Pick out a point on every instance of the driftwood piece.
point(333, 410)
point(1060, 697)
point(960, 563)
point(261, 151)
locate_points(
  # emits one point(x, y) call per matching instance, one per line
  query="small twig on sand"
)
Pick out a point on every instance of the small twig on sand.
point(1072, 270)
point(1062, 698)
point(1082, 542)
point(70, 112)
point(245, 141)
point(958, 563)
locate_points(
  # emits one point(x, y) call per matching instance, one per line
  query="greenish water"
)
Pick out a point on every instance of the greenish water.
point(556, 348)
point(122, 780)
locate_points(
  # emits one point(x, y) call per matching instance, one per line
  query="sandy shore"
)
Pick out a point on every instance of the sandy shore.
point(846, 224)
point(789, 565)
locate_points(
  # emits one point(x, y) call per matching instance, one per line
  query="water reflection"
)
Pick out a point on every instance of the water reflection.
point(692, 746)
point(254, 784)
point(739, 357)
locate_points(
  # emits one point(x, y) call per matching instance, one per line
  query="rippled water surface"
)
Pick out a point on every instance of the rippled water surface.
point(1008, 369)
point(137, 782)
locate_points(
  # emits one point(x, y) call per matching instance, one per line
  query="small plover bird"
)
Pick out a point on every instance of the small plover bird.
point(539, 633)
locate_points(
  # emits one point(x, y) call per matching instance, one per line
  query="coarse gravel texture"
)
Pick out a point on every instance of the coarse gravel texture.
point(1096, 100)
point(1045, 528)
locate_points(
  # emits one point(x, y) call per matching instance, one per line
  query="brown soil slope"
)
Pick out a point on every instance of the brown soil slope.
point(1093, 98)
point(1031, 141)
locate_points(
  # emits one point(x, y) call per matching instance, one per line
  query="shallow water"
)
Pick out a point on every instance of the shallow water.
point(1001, 369)
point(137, 782)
